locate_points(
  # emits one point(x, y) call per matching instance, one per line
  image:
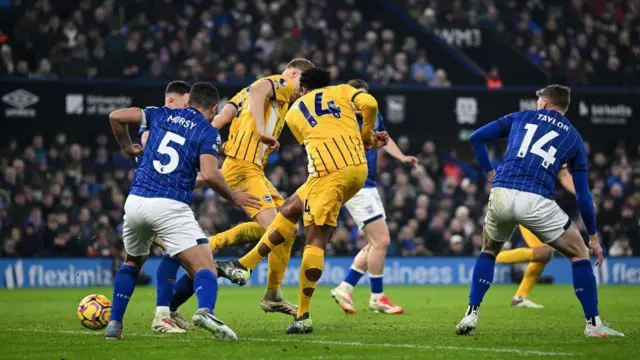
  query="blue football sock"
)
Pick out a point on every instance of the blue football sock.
point(481, 279)
point(353, 276)
point(206, 289)
point(123, 287)
point(584, 283)
point(376, 284)
point(182, 292)
point(166, 278)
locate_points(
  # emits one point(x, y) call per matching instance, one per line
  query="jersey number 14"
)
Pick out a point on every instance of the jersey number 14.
point(548, 156)
point(332, 109)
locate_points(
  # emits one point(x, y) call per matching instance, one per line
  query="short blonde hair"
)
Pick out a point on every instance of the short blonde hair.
point(300, 64)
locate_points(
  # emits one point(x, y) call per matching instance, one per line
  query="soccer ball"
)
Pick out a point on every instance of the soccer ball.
point(94, 311)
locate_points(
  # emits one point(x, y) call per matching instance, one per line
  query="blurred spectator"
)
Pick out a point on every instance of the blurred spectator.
point(440, 80)
point(493, 79)
point(422, 66)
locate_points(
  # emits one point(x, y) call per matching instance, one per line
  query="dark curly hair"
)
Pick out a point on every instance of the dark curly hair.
point(315, 78)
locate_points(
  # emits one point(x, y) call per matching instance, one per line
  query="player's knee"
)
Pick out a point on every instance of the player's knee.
point(380, 242)
point(136, 261)
point(542, 254)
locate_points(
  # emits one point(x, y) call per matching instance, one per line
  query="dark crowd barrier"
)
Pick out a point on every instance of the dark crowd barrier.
point(603, 116)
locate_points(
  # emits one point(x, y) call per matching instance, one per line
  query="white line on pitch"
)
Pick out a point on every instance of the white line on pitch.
point(324, 342)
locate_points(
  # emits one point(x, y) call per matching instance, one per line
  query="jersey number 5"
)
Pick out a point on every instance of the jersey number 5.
point(332, 109)
point(548, 156)
point(164, 148)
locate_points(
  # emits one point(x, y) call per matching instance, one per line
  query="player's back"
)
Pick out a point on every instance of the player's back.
point(325, 121)
point(170, 163)
point(243, 140)
point(539, 143)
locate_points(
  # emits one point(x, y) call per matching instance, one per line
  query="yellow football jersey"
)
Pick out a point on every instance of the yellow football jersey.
point(243, 140)
point(324, 121)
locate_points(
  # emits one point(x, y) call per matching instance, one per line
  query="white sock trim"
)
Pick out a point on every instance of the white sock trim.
point(375, 276)
point(358, 270)
point(163, 310)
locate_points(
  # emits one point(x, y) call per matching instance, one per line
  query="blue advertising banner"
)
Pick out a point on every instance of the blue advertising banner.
point(58, 272)
point(74, 272)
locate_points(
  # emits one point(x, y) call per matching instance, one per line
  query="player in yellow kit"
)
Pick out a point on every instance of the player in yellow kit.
point(256, 115)
point(537, 254)
point(324, 121)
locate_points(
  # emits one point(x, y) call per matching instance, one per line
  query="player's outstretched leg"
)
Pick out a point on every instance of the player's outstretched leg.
point(480, 282)
point(199, 261)
point(124, 284)
point(541, 256)
point(571, 245)
point(166, 278)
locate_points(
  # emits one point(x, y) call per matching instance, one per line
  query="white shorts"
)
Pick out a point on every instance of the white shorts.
point(508, 208)
point(171, 220)
point(365, 207)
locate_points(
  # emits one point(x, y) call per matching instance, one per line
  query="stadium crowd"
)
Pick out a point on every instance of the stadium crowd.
point(584, 42)
point(62, 199)
point(577, 42)
point(216, 40)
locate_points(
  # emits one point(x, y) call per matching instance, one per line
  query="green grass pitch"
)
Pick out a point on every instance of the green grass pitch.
point(42, 324)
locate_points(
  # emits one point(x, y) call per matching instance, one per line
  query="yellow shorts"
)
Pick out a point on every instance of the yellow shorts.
point(531, 240)
point(239, 174)
point(324, 196)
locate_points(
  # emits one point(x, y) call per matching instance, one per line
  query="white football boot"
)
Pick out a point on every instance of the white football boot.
point(205, 320)
point(523, 302)
point(468, 324)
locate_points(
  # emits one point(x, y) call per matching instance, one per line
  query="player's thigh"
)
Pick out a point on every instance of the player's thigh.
point(571, 245)
point(542, 216)
point(175, 223)
point(137, 233)
point(366, 207)
point(377, 233)
point(530, 238)
point(500, 223)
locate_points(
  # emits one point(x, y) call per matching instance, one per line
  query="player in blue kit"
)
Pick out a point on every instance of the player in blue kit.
point(367, 211)
point(539, 143)
point(181, 142)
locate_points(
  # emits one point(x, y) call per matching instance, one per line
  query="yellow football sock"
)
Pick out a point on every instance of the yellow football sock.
point(286, 230)
point(278, 261)
point(531, 276)
point(310, 272)
point(515, 256)
point(240, 234)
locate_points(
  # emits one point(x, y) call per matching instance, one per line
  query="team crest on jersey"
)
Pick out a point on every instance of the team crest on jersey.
point(282, 82)
point(267, 198)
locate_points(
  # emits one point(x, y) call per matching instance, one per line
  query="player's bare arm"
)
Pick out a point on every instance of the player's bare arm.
point(257, 97)
point(564, 176)
point(227, 114)
point(392, 149)
point(120, 120)
point(212, 176)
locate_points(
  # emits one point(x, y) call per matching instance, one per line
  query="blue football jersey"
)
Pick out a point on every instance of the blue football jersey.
point(372, 155)
point(171, 159)
point(539, 144)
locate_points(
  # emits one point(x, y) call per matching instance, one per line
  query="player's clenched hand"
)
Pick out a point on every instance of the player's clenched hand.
point(243, 199)
point(412, 160)
point(270, 141)
point(490, 175)
point(134, 150)
point(380, 139)
point(595, 249)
